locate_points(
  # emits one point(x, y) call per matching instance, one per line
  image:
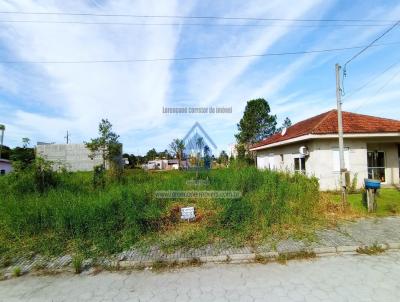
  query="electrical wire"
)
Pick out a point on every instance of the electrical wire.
point(385, 84)
point(370, 44)
point(193, 24)
point(363, 50)
point(191, 17)
point(371, 80)
point(192, 58)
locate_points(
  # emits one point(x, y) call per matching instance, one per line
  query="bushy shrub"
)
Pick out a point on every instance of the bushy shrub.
point(99, 180)
point(36, 177)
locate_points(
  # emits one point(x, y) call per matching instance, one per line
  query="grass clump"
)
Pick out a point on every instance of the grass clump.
point(284, 257)
point(77, 264)
point(262, 259)
point(17, 271)
point(371, 250)
point(161, 265)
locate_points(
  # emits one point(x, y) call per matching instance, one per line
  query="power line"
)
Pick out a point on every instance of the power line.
point(370, 44)
point(371, 80)
point(192, 58)
point(192, 24)
point(385, 84)
point(192, 17)
point(363, 50)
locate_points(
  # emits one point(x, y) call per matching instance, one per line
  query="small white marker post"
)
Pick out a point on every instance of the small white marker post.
point(187, 213)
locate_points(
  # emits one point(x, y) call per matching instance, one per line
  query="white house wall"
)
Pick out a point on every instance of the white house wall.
point(289, 152)
point(320, 162)
point(6, 167)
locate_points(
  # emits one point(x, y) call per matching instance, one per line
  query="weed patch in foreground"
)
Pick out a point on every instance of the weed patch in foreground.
point(284, 257)
point(162, 265)
point(17, 272)
point(77, 263)
point(371, 250)
point(262, 259)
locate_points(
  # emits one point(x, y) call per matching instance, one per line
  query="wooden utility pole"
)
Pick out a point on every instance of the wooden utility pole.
point(340, 132)
point(2, 128)
point(67, 137)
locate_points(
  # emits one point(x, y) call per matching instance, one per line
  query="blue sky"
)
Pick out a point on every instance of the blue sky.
point(43, 101)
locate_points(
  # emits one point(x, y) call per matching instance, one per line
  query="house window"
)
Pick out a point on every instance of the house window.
point(281, 155)
point(300, 165)
point(2, 172)
point(376, 165)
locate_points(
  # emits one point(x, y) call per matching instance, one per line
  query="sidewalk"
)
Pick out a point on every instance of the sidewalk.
point(338, 279)
point(347, 238)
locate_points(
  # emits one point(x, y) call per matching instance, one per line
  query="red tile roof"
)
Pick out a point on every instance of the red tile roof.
point(326, 123)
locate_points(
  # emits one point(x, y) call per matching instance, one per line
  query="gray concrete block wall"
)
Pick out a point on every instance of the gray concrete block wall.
point(75, 157)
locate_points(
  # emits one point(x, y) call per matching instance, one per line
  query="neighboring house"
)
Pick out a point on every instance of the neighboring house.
point(157, 164)
point(162, 164)
point(311, 147)
point(5, 166)
point(74, 157)
point(173, 164)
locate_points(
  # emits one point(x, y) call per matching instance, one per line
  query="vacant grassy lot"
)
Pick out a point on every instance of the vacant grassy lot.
point(388, 202)
point(73, 216)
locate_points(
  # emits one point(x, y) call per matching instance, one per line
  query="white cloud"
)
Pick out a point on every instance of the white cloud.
point(44, 100)
point(208, 80)
point(130, 95)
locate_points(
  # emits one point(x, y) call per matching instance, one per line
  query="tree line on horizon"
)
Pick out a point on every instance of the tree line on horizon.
point(256, 124)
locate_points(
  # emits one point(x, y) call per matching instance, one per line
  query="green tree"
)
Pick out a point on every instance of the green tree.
point(286, 124)
point(177, 147)
point(152, 154)
point(223, 158)
point(23, 156)
point(256, 124)
point(133, 160)
point(106, 145)
point(241, 151)
point(164, 154)
point(26, 142)
point(5, 152)
point(207, 157)
point(200, 145)
point(141, 159)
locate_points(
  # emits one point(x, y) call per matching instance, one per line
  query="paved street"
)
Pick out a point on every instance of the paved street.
point(339, 278)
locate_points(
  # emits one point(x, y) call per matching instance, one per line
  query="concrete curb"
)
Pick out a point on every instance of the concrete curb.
point(266, 256)
point(253, 257)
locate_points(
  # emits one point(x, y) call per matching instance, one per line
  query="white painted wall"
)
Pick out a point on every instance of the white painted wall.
point(322, 160)
point(6, 166)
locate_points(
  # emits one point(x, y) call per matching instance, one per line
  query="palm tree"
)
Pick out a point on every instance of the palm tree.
point(177, 146)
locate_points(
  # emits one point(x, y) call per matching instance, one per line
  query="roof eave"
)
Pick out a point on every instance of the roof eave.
point(325, 136)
